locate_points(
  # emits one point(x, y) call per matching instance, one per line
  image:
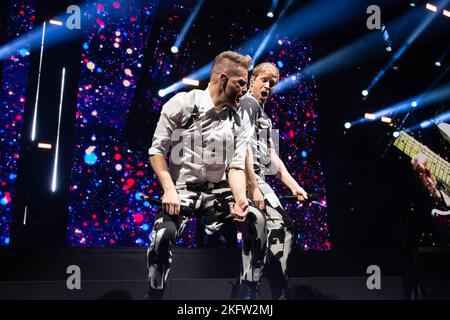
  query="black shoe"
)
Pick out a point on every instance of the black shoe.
point(154, 294)
point(279, 290)
point(246, 291)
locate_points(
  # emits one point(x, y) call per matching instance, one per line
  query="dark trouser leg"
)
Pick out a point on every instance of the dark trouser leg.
point(159, 254)
point(254, 238)
point(280, 240)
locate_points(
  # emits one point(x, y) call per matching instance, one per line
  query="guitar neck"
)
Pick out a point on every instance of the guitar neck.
point(437, 165)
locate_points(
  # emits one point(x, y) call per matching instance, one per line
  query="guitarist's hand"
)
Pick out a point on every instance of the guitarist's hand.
point(428, 180)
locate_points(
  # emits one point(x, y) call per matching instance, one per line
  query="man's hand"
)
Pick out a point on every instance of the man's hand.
point(171, 203)
point(300, 193)
point(239, 210)
point(428, 180)
point(257, 197)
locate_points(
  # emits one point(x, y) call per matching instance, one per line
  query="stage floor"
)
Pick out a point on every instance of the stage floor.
point(196, 274)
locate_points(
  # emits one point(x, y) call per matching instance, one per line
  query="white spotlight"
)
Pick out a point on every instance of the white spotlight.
point(369, 116)
point(365, 93)
point(388, 48)
point(43, 145)
point(437, 63)
point(347, 125)
point(446, 13)
point(162, 93)
point(174, 49)
point(414, 104)
point(56, 22)
point(431, 7)
point(191, 82)
point(270, 14)
point(386, 120)
point(412, 4)
point(396, 134)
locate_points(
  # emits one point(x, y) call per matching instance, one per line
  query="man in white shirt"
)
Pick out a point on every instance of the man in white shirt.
point(262, 159)
point(208, 138)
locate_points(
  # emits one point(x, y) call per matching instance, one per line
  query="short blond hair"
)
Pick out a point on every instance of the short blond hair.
point(224, 60)
point(264, 66)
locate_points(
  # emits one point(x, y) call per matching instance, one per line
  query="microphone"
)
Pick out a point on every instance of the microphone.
point(311, 197)
point(184, 211)
point(150, 199)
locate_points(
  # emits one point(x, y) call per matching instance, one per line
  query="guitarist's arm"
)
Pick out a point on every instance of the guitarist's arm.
point(429, 181)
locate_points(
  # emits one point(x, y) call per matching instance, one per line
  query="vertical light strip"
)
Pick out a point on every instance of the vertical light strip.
point(55, 163)
point(25, 216)
point(33, 130)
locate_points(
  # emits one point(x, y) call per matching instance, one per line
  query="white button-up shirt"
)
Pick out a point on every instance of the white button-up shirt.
point(261, 139)
point(203, 142)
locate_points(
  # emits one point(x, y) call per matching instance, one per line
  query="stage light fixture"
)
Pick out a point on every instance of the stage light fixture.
point(365, 93)
point(431, 7)
point(347, 125)
point(369, 116)
point(191, 82)
point(414, 104)
point(396, 134)
point(174, 49)
point(446, 13)
point(56, 22)
point(386, 120)
point(43, 145)
point(270, 14)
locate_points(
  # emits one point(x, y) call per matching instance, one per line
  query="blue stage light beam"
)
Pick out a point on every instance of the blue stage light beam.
point(176, 47)
point(263, 46)
point(438, 95)
point(353, 54)
point(273, 7)
point(399, 53)
point(443, 117)
point(52, 33)
point(312, 19)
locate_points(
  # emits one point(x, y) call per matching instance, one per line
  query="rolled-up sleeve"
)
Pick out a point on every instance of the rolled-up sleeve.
point(169, 120)
point(242, 140)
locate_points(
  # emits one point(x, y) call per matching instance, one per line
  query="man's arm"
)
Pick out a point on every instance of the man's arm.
point(170, 199)
point(428, 180)
point(236, 179)
point(285, 177)
point(236, 169)
point(171, 115)
point(253, 189)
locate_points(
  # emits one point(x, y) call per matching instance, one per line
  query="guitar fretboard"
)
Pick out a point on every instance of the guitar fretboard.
point(437, 165)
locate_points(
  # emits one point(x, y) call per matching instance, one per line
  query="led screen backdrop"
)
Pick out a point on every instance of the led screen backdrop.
point(13, 85)
point(107, 178)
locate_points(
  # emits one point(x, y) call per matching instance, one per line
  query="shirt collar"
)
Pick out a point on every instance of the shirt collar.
point(206, 100)
point(249, 94)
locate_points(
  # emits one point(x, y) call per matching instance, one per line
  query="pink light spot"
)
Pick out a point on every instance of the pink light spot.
point(138, 218)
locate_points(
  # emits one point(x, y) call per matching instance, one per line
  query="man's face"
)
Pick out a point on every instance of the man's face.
point(262, 86)
point(236, 86)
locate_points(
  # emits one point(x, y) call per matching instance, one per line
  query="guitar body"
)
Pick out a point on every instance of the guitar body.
point(439, 167)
